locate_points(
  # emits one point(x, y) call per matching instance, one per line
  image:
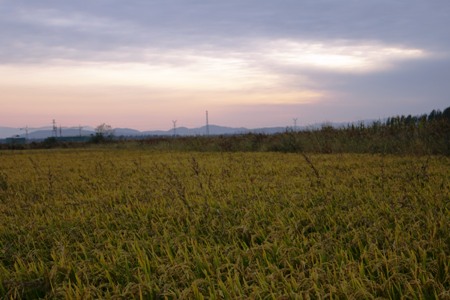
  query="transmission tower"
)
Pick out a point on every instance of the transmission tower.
point(174, 127)
point(295, 123)
point(207, 123)
point(55, 129)
point(26, 132)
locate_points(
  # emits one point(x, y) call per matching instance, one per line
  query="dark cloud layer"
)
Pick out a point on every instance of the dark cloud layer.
point(189, 23)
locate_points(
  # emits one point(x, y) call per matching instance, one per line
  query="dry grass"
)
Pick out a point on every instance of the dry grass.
point(105, 223)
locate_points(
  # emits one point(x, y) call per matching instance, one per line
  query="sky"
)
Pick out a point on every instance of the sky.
point(252, 63)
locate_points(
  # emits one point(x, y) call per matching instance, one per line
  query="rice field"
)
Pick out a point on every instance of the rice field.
point(137, 224)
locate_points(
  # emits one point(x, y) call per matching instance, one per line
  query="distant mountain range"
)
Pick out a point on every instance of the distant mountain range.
point(45, 132)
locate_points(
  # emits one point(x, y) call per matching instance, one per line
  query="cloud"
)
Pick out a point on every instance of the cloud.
point(263, 72)
point(86, 26)
point(342, 56)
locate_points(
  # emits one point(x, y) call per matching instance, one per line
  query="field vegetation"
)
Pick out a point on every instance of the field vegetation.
point(128, 221)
